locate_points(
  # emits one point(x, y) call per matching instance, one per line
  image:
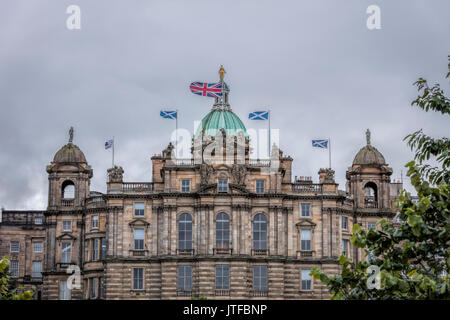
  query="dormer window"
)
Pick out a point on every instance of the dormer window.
point(223, 185)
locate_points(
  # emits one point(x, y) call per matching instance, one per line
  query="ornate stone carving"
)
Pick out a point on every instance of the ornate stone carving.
point(239, 172)
point(326, 175)
point(115, 174)
point(205, 173)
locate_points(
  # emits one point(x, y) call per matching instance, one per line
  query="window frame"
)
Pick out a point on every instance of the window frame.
point(33, 272)
point(64, 254)
point(222, 230)
point(141, 242)
point(183, 187)
point(345, 247)
point(301, 210)
point(258, 278)
point(70, 225)
point(305, 284)
point(185, 228)
point(35, 243)
point(261, 242)
point(65, 293)
point(185, 277)
point(95, 255)
point(305, 244)
point(222, 185)
point(94, 225)
point(222, 277)
point(258, 188)
point(14, 268)
point(344, 226)
point(138, 279)
point(11, 246)
point(139, 210)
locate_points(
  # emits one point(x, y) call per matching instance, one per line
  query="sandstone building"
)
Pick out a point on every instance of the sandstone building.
point(237, 228)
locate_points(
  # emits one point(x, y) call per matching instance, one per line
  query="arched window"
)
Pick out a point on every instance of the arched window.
point(185, 232)
point(260, 232)
point(222, 231)
point(370, 195)
point(68, 190)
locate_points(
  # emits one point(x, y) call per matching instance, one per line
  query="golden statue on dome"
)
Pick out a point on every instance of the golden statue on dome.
point(222, 72)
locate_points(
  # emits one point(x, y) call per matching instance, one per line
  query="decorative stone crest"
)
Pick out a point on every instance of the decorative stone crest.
point(239, 172)
point(205, 173)
point(115, 174)
point(326, 175)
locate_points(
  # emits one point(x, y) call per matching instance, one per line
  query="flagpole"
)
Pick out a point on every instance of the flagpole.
point(269, 134)
point(176, 134)
point(114, 142)
point(329, 151)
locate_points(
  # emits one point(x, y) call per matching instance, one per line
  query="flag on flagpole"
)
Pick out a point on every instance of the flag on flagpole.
point(109, 144)
point(259, 115)
point(322, 144)
point(168, 114)
point(204, 89)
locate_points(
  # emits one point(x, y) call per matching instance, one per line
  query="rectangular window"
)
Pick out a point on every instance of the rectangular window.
point(138, 279)
point(37, 269)
point(14, 268)
point(223, 276)
point(184, 278)
point(37, 246)
point(95, 249)
point(67, 225)
point(306, 280)
point(372, 226)
point(138, 239)
point(185, 185)
point(259, 186)
point(64, 291)
point(306, 240)
point(103, 251)
point(66, 252)
point(344, 223)
point(94, 222)
point(223, 185)
point(260, 278)
point(94, 288)
point(344, 247)
point(14, 246)
point(139, 209)
point(305, 210)
point(37, 220)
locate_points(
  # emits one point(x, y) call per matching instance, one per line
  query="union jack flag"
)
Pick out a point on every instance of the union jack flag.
point(204, 89)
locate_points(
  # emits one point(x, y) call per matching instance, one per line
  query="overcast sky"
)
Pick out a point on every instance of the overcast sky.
point(314, 63)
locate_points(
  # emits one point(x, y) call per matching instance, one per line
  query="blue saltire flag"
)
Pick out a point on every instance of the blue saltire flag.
point(323, 144)
point(109, 144)
point(168, 114)
point(258, 115)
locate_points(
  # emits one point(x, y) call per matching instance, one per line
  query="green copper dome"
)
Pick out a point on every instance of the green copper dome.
point(221, 118)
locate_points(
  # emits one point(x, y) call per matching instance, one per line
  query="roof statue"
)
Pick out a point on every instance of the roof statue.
point(368, 137)
point(222, 72)
point(71, 135)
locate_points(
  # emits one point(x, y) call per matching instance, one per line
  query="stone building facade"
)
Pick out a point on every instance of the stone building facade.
point(234, 228)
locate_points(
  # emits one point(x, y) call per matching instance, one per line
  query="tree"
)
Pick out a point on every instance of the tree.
point(8, 285)
point(409, 256)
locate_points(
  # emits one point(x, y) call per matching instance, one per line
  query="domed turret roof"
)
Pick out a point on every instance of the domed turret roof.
point(221, 118)
point(369, 155)
point(70, 153)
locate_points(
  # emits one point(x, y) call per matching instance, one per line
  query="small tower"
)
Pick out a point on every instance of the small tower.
point(69, 177)
point(368, 179)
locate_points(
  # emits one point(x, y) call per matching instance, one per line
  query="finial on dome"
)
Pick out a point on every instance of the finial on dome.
point(222, 72)
point(71, 135)
point(368, 137)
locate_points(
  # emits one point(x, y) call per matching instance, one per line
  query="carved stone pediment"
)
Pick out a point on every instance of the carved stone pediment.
point(66, 236)
point(139, 222)
point(305, 223)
